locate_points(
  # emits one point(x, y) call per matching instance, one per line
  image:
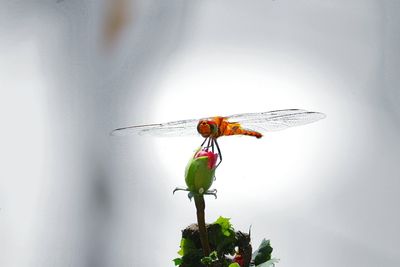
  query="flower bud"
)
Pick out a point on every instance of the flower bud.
point(200, 171)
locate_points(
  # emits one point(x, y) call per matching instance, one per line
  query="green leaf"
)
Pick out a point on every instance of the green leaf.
point(226, 226)
point(263, 254)
point(206, 260)
point(187, 246)
point(177, 261)
point(222, 241)
point(213, 257)
point(235, 264)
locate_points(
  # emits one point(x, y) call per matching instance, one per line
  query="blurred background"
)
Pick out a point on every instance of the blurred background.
point(326, 194)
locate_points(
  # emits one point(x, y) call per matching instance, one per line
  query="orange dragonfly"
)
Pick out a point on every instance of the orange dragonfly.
point(251, 124)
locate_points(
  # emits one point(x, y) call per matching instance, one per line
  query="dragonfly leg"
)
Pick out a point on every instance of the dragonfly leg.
point(219, 152)
point(205, 139)
point(209, 143)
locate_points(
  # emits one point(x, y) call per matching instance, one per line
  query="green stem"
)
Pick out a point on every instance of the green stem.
point(200, 207)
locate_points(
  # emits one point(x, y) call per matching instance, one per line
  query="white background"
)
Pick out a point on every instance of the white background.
point(326, 194)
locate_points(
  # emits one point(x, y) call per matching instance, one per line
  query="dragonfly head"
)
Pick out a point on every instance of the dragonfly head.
point(207, 128)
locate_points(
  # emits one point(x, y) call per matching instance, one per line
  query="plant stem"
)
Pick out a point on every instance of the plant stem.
point(200, 207)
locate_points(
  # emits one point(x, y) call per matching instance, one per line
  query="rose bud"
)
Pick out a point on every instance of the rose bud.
point(200, 171)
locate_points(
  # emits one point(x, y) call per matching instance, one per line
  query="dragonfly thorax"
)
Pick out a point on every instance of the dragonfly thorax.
point(207, 128)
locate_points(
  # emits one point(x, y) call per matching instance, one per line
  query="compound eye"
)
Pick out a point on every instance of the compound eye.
point(213, 127)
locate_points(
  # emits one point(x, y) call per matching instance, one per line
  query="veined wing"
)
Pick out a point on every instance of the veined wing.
point(276, 120)
point(173, 128)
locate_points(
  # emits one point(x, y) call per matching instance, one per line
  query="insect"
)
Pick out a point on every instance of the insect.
point(250, 124)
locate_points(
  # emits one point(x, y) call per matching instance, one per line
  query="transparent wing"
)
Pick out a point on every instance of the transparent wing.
point(174, 128)
point(276, 120)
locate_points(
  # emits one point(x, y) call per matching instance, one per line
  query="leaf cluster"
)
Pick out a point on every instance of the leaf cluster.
point(223, 240)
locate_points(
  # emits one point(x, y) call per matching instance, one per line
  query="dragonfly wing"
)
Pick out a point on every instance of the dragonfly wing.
point(276, 120)
point(174, 128)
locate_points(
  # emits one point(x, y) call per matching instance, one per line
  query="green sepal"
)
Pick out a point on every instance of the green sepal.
point(235, 264)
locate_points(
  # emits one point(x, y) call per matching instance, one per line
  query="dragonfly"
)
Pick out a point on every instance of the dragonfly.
point(212, 128)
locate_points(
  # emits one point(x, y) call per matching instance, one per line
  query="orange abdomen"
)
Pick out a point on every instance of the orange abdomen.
point(233, 128)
